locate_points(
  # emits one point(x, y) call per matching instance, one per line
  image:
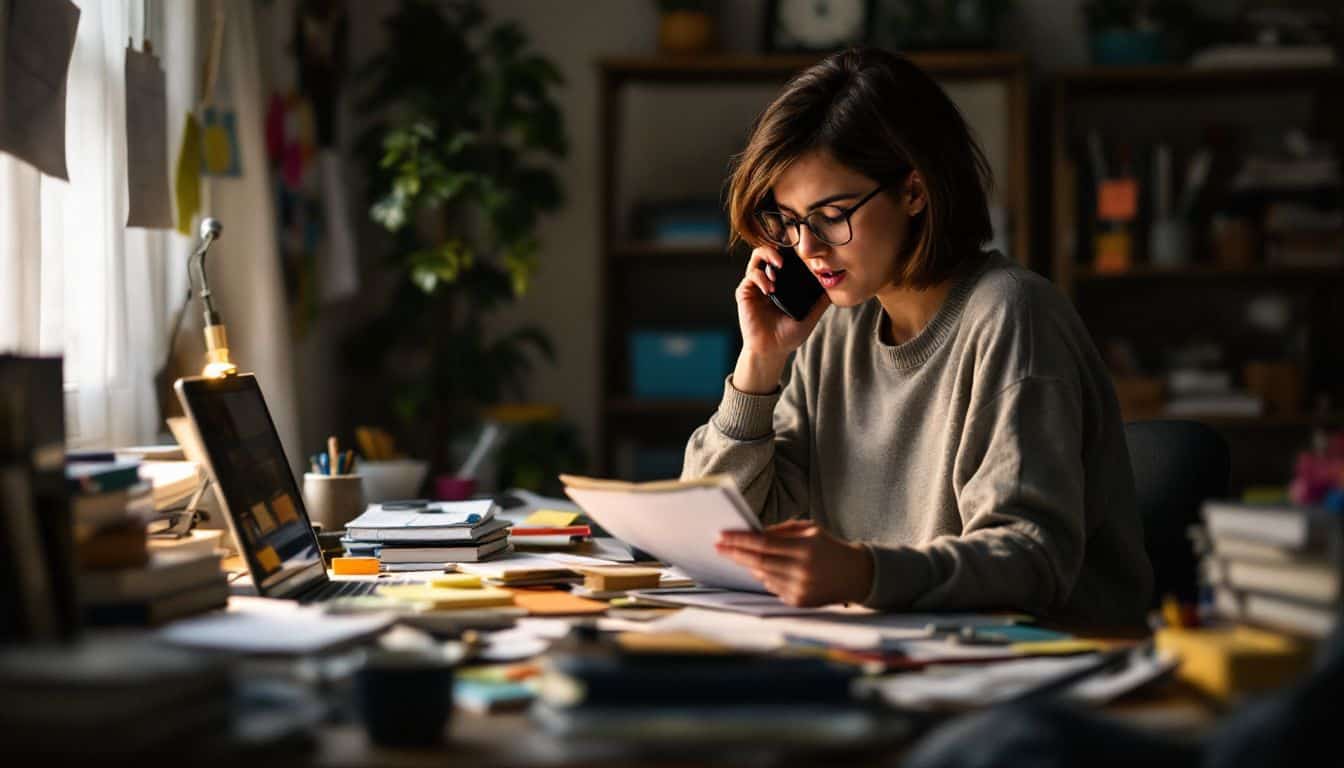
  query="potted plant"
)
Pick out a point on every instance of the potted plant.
point(459, 173)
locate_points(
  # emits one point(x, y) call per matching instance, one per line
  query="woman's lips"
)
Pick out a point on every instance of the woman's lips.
point(830, 278)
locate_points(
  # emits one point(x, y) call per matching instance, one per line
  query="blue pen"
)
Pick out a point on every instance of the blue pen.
point(325, 463)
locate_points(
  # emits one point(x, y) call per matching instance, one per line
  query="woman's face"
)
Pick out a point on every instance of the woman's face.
point(857, 271)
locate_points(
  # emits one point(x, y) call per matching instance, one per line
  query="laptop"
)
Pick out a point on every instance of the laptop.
point(263, 506)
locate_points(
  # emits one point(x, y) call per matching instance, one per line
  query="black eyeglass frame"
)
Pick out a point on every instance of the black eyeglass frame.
point(797, 224)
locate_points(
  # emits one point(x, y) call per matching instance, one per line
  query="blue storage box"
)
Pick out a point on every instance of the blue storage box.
point(673, 365)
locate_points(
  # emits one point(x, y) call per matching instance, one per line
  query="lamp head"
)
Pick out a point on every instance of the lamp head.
point(211, 228)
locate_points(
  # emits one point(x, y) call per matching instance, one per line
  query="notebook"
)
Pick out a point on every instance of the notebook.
point(450, 521)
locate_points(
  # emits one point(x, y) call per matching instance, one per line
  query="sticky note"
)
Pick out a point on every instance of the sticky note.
point(1117, 199)
point(354, 566)
point(439, 598)
point(553, 602)
point(456, 581)
point(550, 518)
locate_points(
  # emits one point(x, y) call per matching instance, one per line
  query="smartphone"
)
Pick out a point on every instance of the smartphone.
point(796, 288)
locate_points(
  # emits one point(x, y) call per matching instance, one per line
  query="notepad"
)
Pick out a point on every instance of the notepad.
point(549, 518)
point(446, 598)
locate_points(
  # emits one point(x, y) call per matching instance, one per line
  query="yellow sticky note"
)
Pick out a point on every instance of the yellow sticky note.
point(187, 185)
point(438, 598)
point(456, 581)
point(1059, 647)
point(550, 518)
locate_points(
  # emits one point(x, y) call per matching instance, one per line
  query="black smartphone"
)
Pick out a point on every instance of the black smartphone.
point(796, 288)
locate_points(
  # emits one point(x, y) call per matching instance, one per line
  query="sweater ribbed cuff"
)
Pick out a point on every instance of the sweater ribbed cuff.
point(745, 417)
point(901, 575)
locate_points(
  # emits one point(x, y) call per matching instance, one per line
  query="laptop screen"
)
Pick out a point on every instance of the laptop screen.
point(264, 505)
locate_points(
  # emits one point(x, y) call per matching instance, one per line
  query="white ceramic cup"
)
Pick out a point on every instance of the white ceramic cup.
point(333, 500)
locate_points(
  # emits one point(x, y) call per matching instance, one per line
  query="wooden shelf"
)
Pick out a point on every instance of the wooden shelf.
point(636, 249)
point(1183, 79)
point(1206, 271)
point(947, 65)
point(626, 406)
point(1271, 421)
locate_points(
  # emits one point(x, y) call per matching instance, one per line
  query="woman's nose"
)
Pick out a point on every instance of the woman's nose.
point(809, 244)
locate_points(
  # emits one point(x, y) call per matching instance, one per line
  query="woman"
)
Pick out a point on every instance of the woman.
point(948, 437)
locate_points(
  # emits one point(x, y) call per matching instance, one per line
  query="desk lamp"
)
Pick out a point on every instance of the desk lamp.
point(217, 363)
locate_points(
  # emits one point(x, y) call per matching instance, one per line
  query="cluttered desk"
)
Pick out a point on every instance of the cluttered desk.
point(516, 629)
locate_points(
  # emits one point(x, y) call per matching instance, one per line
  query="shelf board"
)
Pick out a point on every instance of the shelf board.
point(1184, 79)
point(1201, 271)
point(948, 65)
point(1271, 421)
point(635, 249)
point(627, 406)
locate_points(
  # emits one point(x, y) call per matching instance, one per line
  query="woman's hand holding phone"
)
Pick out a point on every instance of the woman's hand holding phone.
point(768, 335)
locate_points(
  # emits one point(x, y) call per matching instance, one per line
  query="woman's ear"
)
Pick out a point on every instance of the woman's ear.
point(912, 197)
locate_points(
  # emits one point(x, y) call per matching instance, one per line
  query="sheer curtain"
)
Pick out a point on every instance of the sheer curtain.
point(75, 281)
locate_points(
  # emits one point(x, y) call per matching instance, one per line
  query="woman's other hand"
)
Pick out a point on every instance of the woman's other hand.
point(801, 563)
point(768, 335)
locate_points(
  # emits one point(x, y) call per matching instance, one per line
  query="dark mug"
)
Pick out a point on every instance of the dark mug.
point(405, 697)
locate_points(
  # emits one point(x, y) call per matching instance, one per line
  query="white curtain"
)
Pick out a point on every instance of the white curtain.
point(75, 281)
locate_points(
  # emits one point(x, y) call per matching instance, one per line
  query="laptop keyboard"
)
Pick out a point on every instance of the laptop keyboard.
point(334, 589)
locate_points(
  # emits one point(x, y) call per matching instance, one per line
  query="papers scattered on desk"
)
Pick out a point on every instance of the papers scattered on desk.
point(265, 626)
point(966, 686)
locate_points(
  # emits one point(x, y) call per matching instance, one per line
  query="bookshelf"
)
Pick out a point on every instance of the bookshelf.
point(1207, 299)
point(668, 126)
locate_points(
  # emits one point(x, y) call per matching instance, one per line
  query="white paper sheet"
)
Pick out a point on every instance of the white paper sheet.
point(966, 686)
point(39, 45)
point(750, 603)
point(677, 526)
point(273, 627)
point(150, 204)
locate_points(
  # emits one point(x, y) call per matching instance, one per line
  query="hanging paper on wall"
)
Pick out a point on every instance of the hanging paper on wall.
point(220, 143)
point(39, 41)
point(150, 205)
point(188, 180)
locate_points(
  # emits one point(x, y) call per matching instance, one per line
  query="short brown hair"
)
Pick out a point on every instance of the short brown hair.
point(880, 115)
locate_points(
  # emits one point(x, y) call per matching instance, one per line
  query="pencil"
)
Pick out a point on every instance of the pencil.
point(349, 462)
point(332, 454)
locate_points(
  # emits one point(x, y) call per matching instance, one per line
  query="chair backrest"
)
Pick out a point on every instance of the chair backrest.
point(1177, 466)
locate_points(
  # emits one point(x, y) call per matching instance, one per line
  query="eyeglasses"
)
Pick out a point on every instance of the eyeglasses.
point(830, 223)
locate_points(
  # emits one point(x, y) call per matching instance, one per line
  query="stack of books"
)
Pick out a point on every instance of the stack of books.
point(119, 580)
point(117, 698)
point(1274, 566)
point(427, 538)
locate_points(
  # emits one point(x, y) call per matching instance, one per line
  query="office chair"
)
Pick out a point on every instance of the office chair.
point(1177, 466)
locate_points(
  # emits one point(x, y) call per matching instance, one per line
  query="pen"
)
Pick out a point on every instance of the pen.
point(333, 454)
point(324, 462)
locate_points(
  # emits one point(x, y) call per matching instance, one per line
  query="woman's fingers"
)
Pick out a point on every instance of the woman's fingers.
point(759, 560)
point(790, 526)
point(764, 544)
point(762, 256)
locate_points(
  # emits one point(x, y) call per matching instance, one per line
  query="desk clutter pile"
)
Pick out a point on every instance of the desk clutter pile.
point(132, 569)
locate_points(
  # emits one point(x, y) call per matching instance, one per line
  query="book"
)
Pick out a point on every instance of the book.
point(1307, 580)
point(189, 602)
point(200, 541)
point(437, 556)
point(1298, 529)
point(1276, 612)
point(173, 482)
point(119, 546)
point(100, 477)
point(164, 574)
point(451, 521)
point(92, 511)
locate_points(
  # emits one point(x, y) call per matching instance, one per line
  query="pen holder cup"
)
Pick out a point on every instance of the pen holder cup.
point(405, 698)
point(333, 500)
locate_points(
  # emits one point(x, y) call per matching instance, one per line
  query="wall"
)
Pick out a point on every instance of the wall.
point(575, 34)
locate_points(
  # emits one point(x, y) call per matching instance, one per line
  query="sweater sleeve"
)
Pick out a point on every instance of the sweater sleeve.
point(761, 441)
point(1018, 477)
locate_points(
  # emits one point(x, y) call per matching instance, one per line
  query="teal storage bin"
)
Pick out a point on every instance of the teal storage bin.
point(675, 365)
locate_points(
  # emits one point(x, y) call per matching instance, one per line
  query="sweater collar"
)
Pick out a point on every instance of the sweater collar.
point(916, 351)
